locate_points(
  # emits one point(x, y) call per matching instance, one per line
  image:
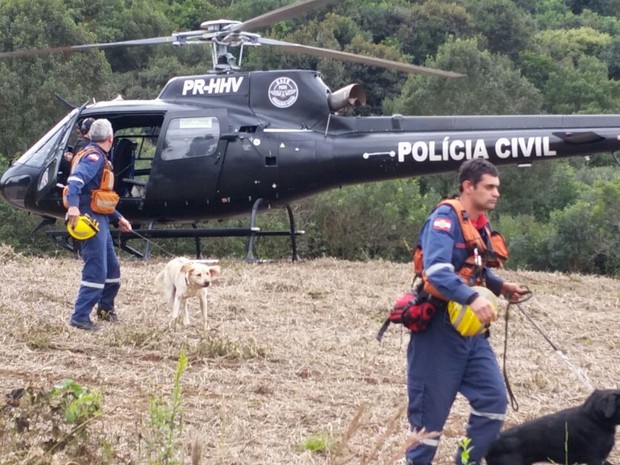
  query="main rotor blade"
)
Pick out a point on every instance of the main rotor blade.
point(345, 56)
point(72, 48)
point(280, 14)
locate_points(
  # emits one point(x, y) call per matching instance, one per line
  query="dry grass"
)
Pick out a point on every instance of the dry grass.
point(291, 353)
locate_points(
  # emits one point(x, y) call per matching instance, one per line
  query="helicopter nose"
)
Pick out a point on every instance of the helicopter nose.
point(13, 187)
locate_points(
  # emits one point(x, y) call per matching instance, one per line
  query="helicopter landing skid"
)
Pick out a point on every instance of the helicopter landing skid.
point(62, 238)
point(251, 233)
point(255, 232)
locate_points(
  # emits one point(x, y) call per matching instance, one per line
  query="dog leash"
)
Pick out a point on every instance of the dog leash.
point(147, 240)
point(580, 375)
point(513, 400)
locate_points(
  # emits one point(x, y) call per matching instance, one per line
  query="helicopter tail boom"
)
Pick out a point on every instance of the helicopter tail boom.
point(372, 149)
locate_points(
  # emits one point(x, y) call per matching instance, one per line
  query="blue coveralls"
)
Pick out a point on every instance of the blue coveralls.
point(441, 362)
point(101, 274)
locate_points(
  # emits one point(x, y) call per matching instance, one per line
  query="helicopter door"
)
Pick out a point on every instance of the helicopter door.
point(51, 149)
point(187, 165)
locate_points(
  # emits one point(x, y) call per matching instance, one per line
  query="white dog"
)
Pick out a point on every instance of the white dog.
point(181, 279)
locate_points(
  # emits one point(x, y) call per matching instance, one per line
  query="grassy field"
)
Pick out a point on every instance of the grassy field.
point(290, 371)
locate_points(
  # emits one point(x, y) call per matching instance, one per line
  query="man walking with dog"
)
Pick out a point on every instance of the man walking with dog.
point(90, 191)
point(456, 249)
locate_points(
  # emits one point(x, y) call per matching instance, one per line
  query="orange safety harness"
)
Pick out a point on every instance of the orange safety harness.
point(492, 252)
point(104, 199)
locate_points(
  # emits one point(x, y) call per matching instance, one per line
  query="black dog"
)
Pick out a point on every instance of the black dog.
point(583, 434)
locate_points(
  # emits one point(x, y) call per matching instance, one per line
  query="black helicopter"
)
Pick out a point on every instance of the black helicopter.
point(230, 143)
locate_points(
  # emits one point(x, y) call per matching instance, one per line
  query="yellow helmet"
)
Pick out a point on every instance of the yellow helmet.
point(463, 317)
point(85, 228)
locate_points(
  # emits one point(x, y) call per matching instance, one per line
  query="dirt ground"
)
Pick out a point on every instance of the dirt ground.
point(290, 355)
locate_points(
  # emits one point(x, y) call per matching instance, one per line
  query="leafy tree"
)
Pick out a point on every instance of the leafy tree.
point(505, 26)
point(581, 237)
point(522, 193)
point(422, 28)
point(568, 45)
point(601, 168)
point(537, 67)
point(551, 14)
point(376, 18)
point(190, 14)
point(29, 83)
point(166, 64)
point(605, 24)
point(604, 7)
point(367, 221)
point(555, 51)
point(582, 89)
point(587, 233)
point(528, 241)
point(527, 5)
point(491, 85)
point(611, 56)
point(116, 20)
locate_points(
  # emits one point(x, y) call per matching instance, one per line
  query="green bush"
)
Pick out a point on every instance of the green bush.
point(586, 235)
point(16, 227)
point(362, 222)
point(527, 241)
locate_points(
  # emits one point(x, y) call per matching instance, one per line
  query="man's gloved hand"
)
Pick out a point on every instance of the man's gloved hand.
point(514, 292)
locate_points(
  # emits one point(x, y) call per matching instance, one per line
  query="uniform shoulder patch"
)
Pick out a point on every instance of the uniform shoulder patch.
point(442, 224)
point(93, 157)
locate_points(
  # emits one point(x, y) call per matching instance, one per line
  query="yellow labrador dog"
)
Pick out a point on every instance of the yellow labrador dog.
point(181, 279)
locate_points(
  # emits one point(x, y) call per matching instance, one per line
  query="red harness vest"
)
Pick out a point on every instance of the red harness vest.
point(481, 253)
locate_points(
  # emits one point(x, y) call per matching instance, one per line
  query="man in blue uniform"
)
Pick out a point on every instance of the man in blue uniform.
point(440, 361)
point(101, 273)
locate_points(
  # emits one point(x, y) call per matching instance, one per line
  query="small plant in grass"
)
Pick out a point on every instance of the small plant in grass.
point(166, 422)
point(51, 425)
point(565, 442)
point(319, 443)
point(466, 448)
point(78, 404)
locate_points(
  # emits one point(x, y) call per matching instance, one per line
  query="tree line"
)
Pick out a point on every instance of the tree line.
point(519, 57)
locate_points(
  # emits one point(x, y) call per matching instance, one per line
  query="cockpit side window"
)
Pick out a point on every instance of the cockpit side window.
point(191, 137)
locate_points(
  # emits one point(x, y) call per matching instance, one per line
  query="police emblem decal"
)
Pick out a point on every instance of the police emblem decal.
point(283, 92)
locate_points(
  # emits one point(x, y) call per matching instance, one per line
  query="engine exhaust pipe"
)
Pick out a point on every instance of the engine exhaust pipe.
point(352, 95)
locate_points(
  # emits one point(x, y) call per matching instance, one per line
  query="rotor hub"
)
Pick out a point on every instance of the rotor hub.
point(218, 25)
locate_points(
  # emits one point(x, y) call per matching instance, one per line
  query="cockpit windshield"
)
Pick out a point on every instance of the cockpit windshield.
point(37, 155)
